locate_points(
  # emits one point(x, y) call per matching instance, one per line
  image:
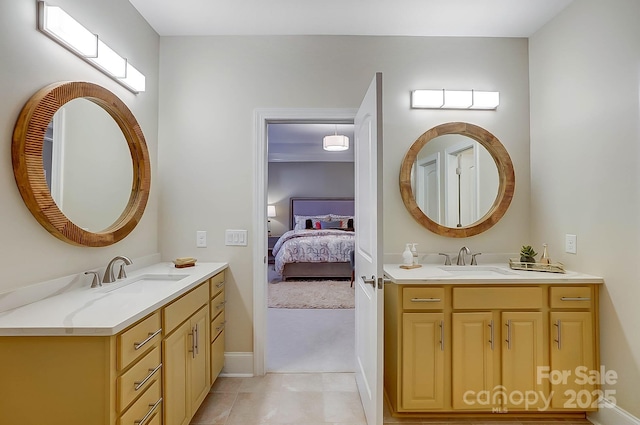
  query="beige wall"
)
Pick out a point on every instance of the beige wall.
point(585, 164)
point(210, 87)
point(30, 61)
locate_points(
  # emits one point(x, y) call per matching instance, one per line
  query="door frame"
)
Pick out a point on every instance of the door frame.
point(263, 117)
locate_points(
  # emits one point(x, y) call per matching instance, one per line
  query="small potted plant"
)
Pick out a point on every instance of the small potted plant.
point(527, 255)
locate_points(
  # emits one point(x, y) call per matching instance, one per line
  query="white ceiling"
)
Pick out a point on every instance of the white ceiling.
point(481, 18)
point(296, 142)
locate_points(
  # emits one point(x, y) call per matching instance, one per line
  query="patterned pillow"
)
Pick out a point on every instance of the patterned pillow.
point(345, 220)
point(301, 221)
point(331, 224)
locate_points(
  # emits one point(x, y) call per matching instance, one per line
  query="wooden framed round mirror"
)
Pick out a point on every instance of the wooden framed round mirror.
point(461, 184)
point(31, 130)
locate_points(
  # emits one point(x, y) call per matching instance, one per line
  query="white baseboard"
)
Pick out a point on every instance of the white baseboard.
point(610, 414)
point(237, 365)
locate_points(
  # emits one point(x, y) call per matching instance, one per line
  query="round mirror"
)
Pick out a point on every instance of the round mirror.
point(81, 163)
point(457, 180)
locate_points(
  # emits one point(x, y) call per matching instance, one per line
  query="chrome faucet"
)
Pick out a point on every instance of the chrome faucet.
point(109, 275)
point(464, 250)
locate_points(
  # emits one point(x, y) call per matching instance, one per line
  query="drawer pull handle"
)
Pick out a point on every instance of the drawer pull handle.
point(149, 413)
point(139, 345)
point(558, 341)
point(140, 384)
point(442, 335)
point(425, 300)
point(491, 334)
point(221, 326)
point(220, 285)
point(575, 299)
point(219, 306)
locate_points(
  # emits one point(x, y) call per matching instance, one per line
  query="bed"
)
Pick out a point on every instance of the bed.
point(320, 239)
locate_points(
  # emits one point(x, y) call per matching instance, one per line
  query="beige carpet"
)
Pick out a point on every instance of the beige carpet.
point(311, 294)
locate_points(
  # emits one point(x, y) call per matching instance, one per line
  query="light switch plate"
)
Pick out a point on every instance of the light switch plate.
point(236, 237)
point(571, 244)
point(201, 239)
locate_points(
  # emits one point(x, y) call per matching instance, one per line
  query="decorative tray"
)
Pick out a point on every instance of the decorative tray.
point(536, 267)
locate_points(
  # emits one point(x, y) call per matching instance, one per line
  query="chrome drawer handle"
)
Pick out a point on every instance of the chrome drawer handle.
point(575, 299)
point(425, 300)
point(194, 341)
point(220, 285)
point(140, 384)
point(219, 306)
point(138, 345)
point(442, 335)
point(508, 340)
point(221, 326)
point(149, 413)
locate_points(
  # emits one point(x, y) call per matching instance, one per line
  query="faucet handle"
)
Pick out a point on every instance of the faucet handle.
point(473, 258)
point(95, 282)
point(122, 274)
point(447, 258)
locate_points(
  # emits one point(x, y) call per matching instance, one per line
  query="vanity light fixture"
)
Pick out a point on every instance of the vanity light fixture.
point(61, 27)
point(335, 142)
point(454, 99)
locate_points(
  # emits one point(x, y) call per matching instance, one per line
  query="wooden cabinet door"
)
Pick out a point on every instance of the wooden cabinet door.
point(474, 341)
point(198, 359)
point(572, 347)
point(423, 361)
point(175, 367)
point(522, 353)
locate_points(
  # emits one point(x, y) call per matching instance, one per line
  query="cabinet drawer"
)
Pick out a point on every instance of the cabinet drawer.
point(217, 356)
point(179, 310)
point(217, 325)
point(217, 305)
point(138, 339)
point(216, 284)
point(423, 298)
point(570, 297)
point(497, 298)
point(149, 404)
point(136, 380)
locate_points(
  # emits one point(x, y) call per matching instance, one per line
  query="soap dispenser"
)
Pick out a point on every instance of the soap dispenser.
point(414, 253)
point(407, 256)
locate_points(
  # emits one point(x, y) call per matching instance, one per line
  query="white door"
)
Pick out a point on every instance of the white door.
point(368, 272)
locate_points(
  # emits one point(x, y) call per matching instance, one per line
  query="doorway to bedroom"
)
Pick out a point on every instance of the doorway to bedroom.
point(310, 316)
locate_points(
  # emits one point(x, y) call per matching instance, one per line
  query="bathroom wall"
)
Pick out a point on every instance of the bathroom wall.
point(210, 87)
point(301, 179)
point(30, 61)
point(585, 165)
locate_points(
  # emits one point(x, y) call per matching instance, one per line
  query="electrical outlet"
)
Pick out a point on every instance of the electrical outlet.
point(571, 244)
point(201, 239)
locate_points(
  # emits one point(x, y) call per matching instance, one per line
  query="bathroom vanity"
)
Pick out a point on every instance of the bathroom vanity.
point(487, 340)
point(141, 351)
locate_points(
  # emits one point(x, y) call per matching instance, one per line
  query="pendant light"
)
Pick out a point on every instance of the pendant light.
point(335, 142)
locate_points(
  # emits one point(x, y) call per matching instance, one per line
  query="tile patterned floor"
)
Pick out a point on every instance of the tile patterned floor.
point(307, 399)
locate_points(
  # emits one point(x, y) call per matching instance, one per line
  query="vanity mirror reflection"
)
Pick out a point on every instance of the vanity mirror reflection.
point(81, 163)
point(457, 180)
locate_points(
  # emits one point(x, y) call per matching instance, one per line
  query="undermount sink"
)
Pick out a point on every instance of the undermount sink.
point(143, 282)
point(476, 270)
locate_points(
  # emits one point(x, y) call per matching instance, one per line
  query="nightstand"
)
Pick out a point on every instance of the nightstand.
point(270, 244)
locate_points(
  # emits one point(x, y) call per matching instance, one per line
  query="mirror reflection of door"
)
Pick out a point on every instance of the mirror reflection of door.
point(428, 185)
point(462, 186)
point(53, 157)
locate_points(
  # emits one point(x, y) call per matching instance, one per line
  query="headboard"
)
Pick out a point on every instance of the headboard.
point(319, 206)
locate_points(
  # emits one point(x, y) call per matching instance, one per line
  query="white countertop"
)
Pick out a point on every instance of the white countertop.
point(498, 273)
point(104, 311)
